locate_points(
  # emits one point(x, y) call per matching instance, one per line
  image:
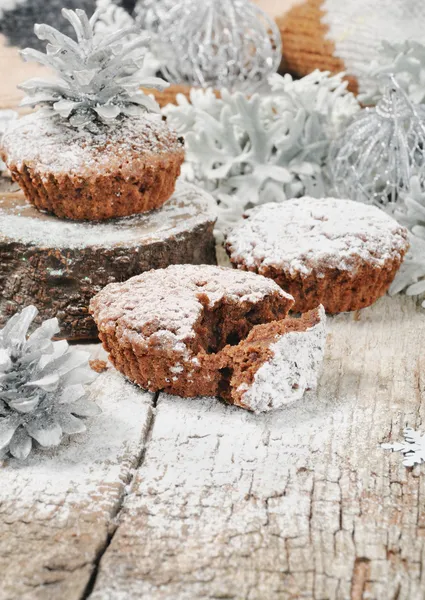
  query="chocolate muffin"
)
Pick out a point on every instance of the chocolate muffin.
point(167, 329)
point(127, 167)
point(338, 253)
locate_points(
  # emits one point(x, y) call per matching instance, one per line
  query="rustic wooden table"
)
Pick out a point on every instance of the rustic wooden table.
point(172, 499)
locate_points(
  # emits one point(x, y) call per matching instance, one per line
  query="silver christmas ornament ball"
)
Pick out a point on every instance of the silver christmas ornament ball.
point(229, 44)
point(380, 150)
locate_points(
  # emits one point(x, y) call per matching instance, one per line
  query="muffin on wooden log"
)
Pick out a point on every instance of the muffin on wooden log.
point(59, 265)
point(339, 253)
point(98, 148)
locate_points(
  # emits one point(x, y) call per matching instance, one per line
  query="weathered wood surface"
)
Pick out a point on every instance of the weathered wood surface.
point(299, 504)
point(302, 503)
point(58, 510)
point(198, 500)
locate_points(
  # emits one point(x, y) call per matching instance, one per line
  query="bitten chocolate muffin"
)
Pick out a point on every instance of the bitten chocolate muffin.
point(166, 329)
point(338, 253)
point(124, 168)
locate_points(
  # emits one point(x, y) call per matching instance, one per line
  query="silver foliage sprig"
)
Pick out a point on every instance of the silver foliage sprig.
point(42, 393)
point(269, 147)
point(406, 62)
point(150, 13)
point(99, 77)
point(411, 213)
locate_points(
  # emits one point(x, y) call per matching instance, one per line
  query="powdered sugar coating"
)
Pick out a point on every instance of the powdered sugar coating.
point(53, 146)
point(189, 207)
point(160, 308)
point(291, 371)
point(308, 234)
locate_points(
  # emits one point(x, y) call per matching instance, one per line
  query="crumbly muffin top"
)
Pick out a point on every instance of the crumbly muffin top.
point(53, 146)
point(309, 234)
point(163, 305)
point(189, 207)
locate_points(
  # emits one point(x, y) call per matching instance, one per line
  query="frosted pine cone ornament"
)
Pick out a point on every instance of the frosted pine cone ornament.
point(42, 394)
point(380, 150)
point(230, 44)
point(97, 148)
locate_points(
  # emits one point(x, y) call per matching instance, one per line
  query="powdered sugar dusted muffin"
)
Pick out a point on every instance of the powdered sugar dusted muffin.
point(97, 148)
point(338, 253)
point(167, 329)
point(124, 168)
point(277, 363)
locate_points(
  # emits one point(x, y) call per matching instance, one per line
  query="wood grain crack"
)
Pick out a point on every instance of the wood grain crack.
point(115, 517)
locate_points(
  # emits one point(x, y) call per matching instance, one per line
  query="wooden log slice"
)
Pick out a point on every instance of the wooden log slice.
point(59, 265)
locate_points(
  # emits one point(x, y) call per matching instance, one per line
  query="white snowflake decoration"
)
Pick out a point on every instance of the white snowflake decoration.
point(413, 447)
point(265, 148)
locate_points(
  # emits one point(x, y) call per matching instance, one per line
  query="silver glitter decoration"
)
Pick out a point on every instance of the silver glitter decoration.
point(229, 44)
point(380, 150)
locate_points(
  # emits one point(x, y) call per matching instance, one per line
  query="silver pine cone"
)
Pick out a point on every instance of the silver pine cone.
point(99, 77)
point(42, 394)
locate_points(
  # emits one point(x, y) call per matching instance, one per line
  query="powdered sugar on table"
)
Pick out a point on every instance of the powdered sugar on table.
point(309, 234)
point(75, 473)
